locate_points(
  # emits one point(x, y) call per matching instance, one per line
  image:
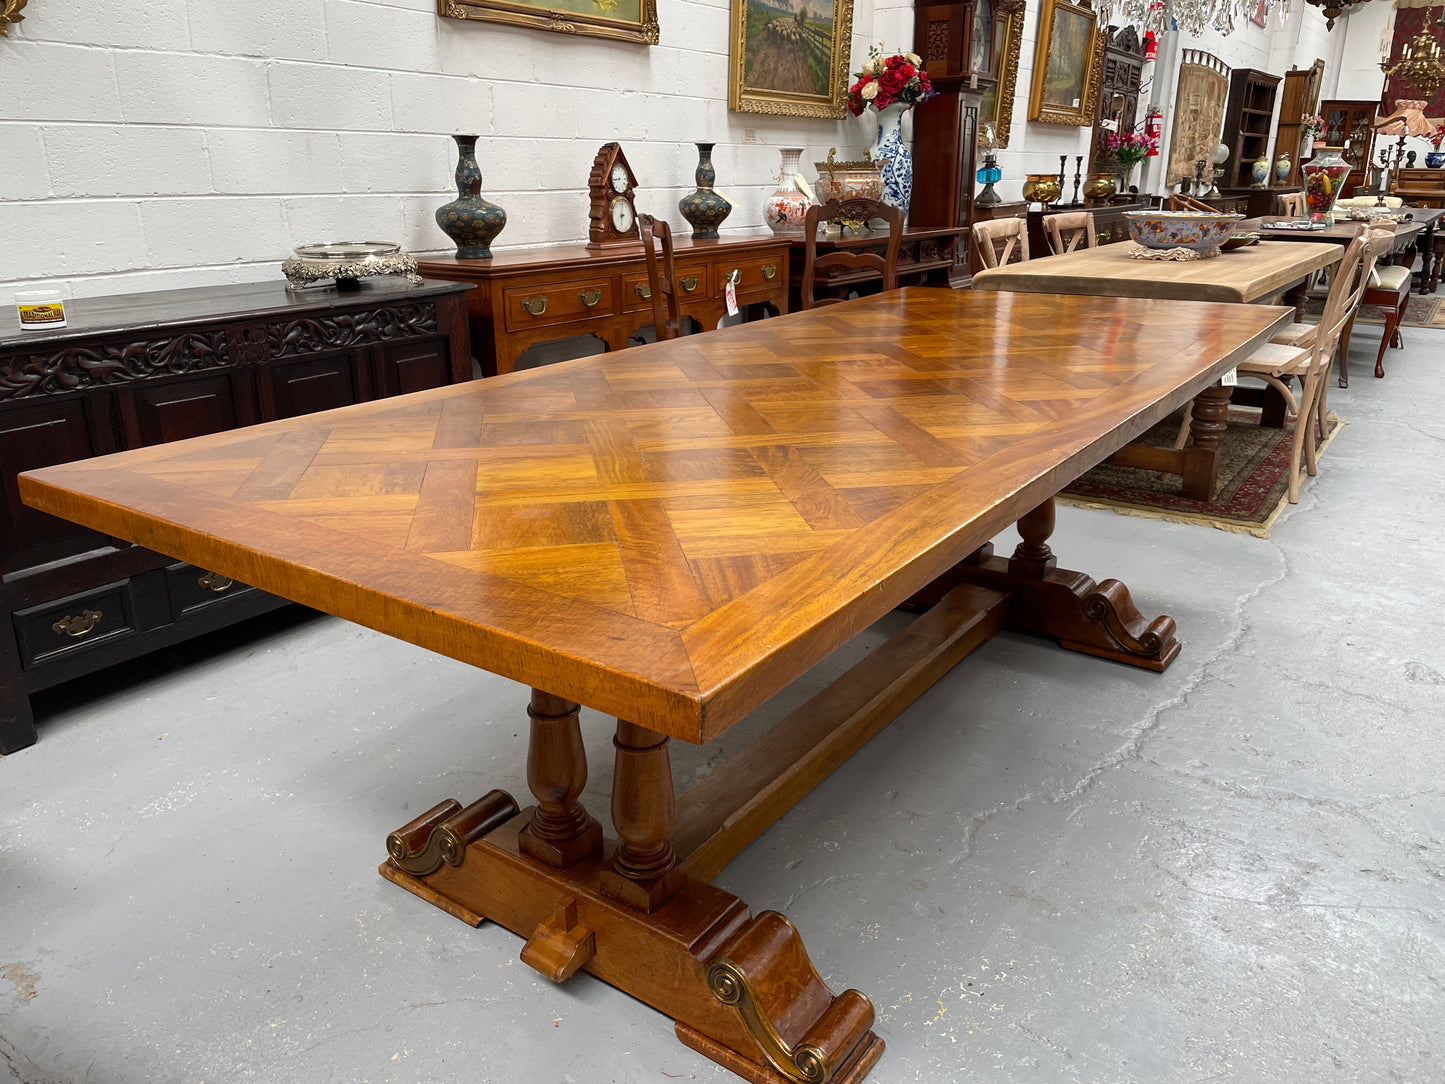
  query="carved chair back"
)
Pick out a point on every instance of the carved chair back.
point(661, 281)
point(1292, 204)
point(852, 213)
point(1069, 230)
point(997, 240)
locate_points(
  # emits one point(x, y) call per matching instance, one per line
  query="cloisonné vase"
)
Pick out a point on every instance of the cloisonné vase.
point(469, 220)
point(897, 161)
point(704, 209)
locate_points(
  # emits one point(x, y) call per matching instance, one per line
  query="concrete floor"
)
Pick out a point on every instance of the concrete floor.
point(1049, 869)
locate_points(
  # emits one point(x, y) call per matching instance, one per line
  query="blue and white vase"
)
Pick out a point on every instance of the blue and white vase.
point(898, 161)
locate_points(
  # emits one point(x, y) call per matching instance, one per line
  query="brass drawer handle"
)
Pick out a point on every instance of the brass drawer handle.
point(589, 297)
point(644, 291)
point(80, 626)
point(536, 306)
point(214, 581)
point(770, 271)
point(734, 276)
point(688, 284)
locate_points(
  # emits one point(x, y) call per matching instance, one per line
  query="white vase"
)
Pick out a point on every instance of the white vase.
point(784, 208)
point(890, 149)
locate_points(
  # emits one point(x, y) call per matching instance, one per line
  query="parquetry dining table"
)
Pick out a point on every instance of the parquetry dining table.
point(1258, 273)
point(671, 534)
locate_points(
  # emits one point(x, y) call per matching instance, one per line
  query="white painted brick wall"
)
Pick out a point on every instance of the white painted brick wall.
point(187, 142)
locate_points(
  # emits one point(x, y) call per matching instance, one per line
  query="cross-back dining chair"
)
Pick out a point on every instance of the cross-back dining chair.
point(850, 212)
point(1069, 230)
point(1277, 363)
point(998, 239)
point(661, 280)
point(1178, 201)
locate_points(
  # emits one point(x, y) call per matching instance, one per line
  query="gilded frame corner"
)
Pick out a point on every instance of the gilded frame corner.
point(1008, 71)
point(644, 31)
point(1085, 115)
point(10, 13)
point(744, 99)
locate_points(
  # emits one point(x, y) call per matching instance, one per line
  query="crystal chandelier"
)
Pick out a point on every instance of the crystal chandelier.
point(1197, 16)
point(1419, 64)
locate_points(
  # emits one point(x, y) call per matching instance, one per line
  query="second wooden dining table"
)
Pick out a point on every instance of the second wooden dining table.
point(673, 534)
point(1258, 273)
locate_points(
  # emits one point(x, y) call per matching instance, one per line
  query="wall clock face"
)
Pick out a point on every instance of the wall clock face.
point(622, 215)
point(619, 178)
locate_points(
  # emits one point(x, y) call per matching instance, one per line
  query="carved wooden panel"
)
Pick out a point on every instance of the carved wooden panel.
point(306, 336)
point(72, 368)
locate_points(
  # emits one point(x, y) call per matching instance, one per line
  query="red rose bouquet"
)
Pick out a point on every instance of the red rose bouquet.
point(888, 79)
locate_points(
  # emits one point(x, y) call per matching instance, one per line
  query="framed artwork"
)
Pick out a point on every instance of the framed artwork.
point(997, 103)
point(621, 20)
point(1259, 15)
point(1068, 64)
point(790, 59)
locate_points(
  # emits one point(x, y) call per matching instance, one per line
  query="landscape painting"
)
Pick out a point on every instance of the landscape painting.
point(790, 56)
point(1067, 65)
point(621, 20)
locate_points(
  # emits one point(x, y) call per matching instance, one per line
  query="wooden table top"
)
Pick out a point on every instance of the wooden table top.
point(673, 532)
point(1243, 275)
point(584, 259)
point(1341, 233)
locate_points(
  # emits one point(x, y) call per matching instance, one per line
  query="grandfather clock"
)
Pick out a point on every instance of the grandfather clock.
point(955, 38)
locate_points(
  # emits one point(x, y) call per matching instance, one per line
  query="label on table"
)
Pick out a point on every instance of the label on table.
point(730, 297)
point(1230, 379)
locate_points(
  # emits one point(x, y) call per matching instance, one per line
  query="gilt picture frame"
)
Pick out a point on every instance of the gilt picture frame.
point(787, 60)
point(1068, 65)
point(620, 20)
point(997, 103)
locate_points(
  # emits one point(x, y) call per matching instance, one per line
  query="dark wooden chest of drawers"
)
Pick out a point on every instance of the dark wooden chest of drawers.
point(142, 369)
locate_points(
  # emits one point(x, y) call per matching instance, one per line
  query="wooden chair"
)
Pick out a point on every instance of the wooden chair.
point(1291, 205)
point(998, 238)
point(1276, 363)
point(1390, 290)
point(1066, 231)
point(661, 282)
point(849, 211)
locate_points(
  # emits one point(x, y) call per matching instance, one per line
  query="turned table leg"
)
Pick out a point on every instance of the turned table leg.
point(1201, 458)
point(644, 871)
point(561, 833)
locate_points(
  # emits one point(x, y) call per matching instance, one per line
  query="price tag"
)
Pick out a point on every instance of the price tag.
point(1230, 379)
point(730, 294)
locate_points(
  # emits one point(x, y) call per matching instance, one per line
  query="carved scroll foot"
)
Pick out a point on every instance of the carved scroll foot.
point(806, 1033)
point(560, 946)
point(442, 833)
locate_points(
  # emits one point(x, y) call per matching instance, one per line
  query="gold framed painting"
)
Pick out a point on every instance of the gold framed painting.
point(620, 20)
point(1068, 65)
point(997, 103)
point(787, 60)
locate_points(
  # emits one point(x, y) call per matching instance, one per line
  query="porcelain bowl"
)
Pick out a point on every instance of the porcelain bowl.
point(1180, 229)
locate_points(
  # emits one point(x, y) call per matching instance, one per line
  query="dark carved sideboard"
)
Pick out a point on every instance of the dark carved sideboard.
point(142, 369)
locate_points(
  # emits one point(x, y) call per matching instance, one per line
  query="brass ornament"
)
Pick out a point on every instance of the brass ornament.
point(730, 985)
point(10, 13)
point(448, 830)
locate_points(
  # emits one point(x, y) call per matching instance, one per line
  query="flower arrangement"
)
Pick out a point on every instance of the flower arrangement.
point(888, 79)
point(1312, 126)
point(1130, 148)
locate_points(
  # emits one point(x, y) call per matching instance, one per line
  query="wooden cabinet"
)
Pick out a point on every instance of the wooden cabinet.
point(1248, 123)
point(1299, 98)
point(143, 369)
point(1351, 121)
point(528, 296)
point(1118, 93)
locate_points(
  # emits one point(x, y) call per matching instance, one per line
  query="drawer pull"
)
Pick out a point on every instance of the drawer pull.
point(769, 271)
point(688, 284)
point(535, 306)
point(644, 291)
point(80, 626)
point(734, 276)
point(214, 581)
point(589, 297)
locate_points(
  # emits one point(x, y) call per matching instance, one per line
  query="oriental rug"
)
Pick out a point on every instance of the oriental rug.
point(1420, 311)
point(1253, 479)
